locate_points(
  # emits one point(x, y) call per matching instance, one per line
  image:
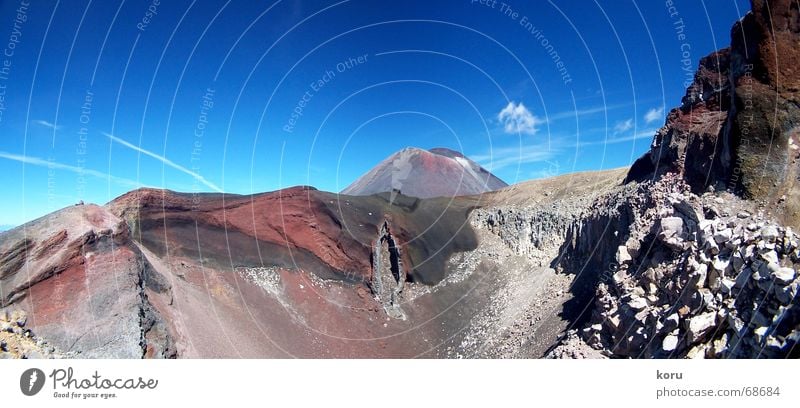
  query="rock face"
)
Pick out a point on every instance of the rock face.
point(716, 282)
point(419, 173)
point(84, 285)
point(738, 126)
point(329, 235)
point(725, 287)
point(297, 272)
point(388, 273)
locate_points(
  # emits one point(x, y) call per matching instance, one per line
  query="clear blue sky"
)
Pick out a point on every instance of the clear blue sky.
point(101, 97)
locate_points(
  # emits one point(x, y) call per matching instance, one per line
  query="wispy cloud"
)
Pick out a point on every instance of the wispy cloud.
point(516, 118)
point(546, 153)
point(46, 124)
point(35, 161)
point(500, 158)
point(572, 114)
point(644, 134)
point(623, 126)
point(166, 161)
point(552, 169)
point(654, 115)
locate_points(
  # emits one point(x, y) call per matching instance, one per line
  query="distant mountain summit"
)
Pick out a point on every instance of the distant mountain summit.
point(438, 172)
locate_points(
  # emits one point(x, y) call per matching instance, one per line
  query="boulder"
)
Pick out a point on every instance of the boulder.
point(723, 235)
point(670, 343)
point(726, 285)
point(769, 234)
point(671, 322)
point(765, 270)
point(671, 227)
point(638, 303)
point(786, 294)
point(623, 257)
point(691, 211)
point(770, 256)
point(737, 261)
point(19, 317)
point(721, 265)
point(699, 326)
point(633, 246)
point(784, 275)
point(699, 275)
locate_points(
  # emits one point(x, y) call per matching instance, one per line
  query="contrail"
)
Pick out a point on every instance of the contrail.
point(35, 161)
point(166, 161)
point(47, 124)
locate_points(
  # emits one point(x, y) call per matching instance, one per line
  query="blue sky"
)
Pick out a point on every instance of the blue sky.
point(102, 97)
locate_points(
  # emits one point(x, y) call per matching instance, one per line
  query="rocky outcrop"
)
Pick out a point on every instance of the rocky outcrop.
point(738, 126)
point(658, 271)
point(18, 341)
point(534, 232)
point(388, 273)
point(83, 284)
point(707, 280)
point(696, 274)
point(693, 140)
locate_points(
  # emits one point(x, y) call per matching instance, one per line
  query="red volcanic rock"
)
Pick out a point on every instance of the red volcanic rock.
point(738, 127)
point(767, 37)
point(298, 220)
point(244, 271)
point(419, 173)
point(291, 228)
point(297, 228)
point(83, 284)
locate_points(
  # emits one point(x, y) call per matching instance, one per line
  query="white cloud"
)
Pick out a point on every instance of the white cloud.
point(46, 124)
point(653, 115)
point(166, 161)
point(623, 126)
point(35, 161)
point(516, 118)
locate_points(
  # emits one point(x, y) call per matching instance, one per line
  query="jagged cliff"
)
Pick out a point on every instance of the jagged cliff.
point(388, 273)
point(738, 126)
point(85, 285)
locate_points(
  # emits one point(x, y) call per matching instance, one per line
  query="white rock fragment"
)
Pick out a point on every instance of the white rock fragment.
point(670, 343)
point(699, 326)
point(671, 226)
point(784, 275)
point(638, 303)
point(769, 233)
point(623, 257)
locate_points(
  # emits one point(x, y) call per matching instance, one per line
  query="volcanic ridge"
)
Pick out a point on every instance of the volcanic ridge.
point(690, 253)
